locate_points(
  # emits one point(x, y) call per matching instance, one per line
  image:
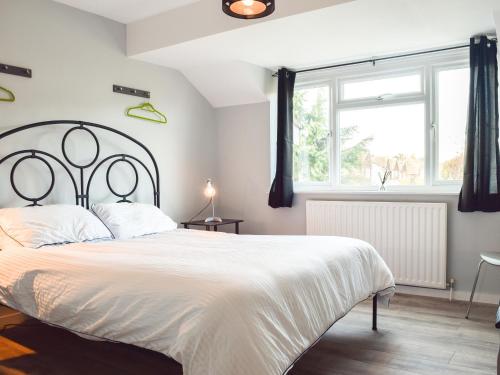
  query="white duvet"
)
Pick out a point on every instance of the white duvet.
point(219, 304)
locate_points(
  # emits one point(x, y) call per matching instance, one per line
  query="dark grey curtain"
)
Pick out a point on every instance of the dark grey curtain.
point(281, 194)
point(480, 190)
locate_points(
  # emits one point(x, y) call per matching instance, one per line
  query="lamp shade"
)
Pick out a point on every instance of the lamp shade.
point(209, 189)
point(248, 9)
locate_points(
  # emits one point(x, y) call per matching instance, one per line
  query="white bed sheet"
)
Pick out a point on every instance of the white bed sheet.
point(219, 304)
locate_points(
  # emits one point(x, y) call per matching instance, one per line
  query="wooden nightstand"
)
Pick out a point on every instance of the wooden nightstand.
point(214, 225)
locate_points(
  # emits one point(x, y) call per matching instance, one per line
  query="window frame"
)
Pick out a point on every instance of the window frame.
point(436, 69)
point(429, 67)
point(341, 81)
point(378, 105)
point(329, 183)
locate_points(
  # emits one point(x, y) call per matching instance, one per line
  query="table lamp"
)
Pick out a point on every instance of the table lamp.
point(210, 193)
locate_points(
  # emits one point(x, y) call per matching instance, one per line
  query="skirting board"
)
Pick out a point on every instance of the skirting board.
point(458, 295)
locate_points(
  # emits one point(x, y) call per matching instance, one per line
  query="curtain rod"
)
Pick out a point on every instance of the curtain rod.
point(376, 59)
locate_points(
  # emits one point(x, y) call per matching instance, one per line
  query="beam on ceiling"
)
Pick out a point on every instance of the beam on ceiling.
point(202, 19)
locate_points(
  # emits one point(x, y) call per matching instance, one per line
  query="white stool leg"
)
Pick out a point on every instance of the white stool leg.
point(474, 288)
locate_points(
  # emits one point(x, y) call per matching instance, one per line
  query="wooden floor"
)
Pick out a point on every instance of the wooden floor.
point(417, 335)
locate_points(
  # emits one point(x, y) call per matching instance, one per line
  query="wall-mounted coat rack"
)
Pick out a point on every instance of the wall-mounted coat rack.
point(145, 111)
point(130, 91)
point(15, 70)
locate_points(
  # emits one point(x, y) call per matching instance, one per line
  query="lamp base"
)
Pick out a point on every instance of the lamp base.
point(213, 219)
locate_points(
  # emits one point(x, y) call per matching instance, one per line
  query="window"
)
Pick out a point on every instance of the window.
point(311, 120)
point(452, 104)
point(382, 87)
point(409, 118)
point(375, 139)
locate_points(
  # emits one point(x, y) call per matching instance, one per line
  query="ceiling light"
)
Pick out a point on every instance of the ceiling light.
point(248, 9)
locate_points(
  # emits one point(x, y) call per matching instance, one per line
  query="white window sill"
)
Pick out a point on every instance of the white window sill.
point(441, 190)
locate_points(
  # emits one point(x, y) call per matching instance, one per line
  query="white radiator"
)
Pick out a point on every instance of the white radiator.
point(411, 237)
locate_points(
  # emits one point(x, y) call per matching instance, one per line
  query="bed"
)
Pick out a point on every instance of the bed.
point(219, 304)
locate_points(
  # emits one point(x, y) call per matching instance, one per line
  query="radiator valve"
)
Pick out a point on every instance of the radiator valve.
point(451, 284)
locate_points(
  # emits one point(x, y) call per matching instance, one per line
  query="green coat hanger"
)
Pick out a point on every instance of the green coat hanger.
point(148, 108)
point(11, 98)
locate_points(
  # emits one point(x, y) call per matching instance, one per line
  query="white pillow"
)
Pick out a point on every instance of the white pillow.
point(49, 225)
point(128, 220)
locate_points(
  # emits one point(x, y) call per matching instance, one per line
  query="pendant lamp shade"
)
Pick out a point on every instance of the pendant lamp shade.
point(248, 9)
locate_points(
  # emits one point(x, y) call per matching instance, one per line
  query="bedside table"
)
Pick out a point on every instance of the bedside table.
point(214, 225)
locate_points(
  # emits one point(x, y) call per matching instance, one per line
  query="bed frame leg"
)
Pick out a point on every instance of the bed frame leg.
point(374, 316)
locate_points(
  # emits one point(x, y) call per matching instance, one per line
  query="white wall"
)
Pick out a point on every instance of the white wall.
point(244, 178)
point(76, 57)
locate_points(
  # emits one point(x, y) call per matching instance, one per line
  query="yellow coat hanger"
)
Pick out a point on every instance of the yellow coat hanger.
point(148, 108)
point(11, 98)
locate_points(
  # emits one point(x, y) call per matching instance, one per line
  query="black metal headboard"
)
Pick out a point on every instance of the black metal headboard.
point(81, 175)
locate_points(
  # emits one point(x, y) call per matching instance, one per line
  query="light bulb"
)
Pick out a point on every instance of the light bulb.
point(248, 3)
point(209, 190)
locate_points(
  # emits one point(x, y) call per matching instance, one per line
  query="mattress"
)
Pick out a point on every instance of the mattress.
point(219, 304)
